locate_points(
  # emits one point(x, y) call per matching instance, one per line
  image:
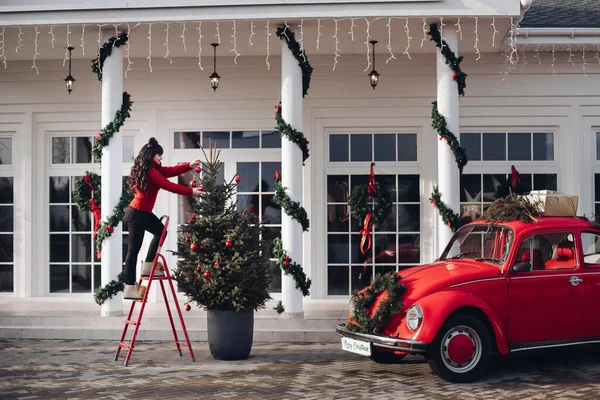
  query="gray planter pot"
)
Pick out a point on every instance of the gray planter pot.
point(230, 334)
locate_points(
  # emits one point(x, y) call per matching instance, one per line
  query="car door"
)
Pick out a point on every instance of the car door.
point(546, 303)
point(590, 245)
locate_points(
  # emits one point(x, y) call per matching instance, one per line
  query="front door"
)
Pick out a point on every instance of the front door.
point(546, 303)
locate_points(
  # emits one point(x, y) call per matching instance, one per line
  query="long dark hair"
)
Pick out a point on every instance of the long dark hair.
point(138, 177)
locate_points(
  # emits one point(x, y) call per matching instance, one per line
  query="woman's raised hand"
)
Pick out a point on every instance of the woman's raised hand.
point(194, 163)
point(196, 192)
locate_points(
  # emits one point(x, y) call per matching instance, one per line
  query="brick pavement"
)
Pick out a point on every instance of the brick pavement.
point(60, 369)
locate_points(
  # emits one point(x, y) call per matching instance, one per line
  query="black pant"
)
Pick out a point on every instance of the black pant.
point(138, 222)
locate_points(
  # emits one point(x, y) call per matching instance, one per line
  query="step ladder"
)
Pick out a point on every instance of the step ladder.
point(138, 322)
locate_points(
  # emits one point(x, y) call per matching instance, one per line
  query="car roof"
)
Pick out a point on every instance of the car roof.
point(545, 222)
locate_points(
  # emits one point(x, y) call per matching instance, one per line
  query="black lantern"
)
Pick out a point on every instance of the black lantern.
point(373, 75)
point(214, 78)
point(69, 80)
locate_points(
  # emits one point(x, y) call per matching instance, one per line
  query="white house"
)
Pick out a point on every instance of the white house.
point(532, 100)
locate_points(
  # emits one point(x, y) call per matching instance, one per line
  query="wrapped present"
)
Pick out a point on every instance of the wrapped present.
point(554, 204)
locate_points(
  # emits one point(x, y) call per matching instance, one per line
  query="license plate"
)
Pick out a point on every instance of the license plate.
point(356, 346)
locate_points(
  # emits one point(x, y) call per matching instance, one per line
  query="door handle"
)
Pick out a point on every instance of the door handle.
point(575, 281)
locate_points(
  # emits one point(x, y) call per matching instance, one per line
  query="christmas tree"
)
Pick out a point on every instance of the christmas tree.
point(223, 263)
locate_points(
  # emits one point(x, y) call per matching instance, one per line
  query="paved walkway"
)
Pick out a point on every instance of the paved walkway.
point(61, 369)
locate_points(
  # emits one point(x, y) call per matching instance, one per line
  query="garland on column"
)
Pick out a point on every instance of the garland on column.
point(439, 124)
point(290, 267)
point(105, 51)
point(293, 135)
point(109, 130)
point(451, 60)
point(451, 218)
point(286, 34)
point(291, 207)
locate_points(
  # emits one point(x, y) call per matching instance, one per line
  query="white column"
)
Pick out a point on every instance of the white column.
point(448, 173)
point(291, 174)
point(112, 157)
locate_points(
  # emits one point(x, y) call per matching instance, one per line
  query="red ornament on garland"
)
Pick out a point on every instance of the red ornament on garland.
point(192, 218)
point(217, 263)
point(187, 239)
point(201, 247)
point(207, 274)
point(193, 183)
point(454, 77)
point(238, 179)
point(194, 247)
point(198, 268)
point(228, 244)
point(110, 229)
point(98, 137)
point(201, 188)
point(188, 307)
point(198, 169)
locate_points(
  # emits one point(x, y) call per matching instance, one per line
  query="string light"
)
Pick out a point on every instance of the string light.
point(99, 37)
point(167, 44)
point(301, 42)
point(337, 42)
point(20, 43)
point(218, 34)
point(424, 32)
point(35, 54)
point(389, 45)
point(570, 55)
point(537, 55)
point(583, 60)
point(68, 44)
point(52, 38)
point(285, 30)
point(251, 33)
point(553, 60)
point(199, 28)
point(182, 36)
point(318, 32)
point(82, 41)
point(513, 56)
point(442, 32)
point(494, 32)
point(234, 42)
point(127, 51)
point(408, 38)
point(476, 47)
point(2, 53)
point(367, 43)
point(149, 58)
point(524, 57)
point(116, 31)
point(352, 26)
point(459, 28)
point(597, 57)
point(268, 45)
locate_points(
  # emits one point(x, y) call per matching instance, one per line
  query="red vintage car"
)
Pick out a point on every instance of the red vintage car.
point(497, 289)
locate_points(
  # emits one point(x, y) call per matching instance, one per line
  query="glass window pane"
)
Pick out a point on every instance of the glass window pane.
point(337, 189)
point(408, 188)
point(59, 189)
point(470, 188)
point(519, 146)
point(271, 139)
point(388, 182)
point(59, 248)
point(472, 145)
point(409, 218)
point(128, 150)
point(494, 146)
point(389, 223)
point(385, 249)
point(597, 188)
point(98, 276)
point(361, 276)
point(61, 150)
point(247, 203)
point(6, 190)
point(407, 147)
point(275, 272)
point(59, 279)
point(490, 185)
point(409, 249)
point(338, 148)
point(187, 140)
point(338, 249)
point(385, 147)
point(356, 256)
point(248, 172)
point(82, 150)
point(270, 233)
point(5, 151)
point(81, 276)
point(245, 139)
point(7, 219)
point(6, 248)
point(59, 218)
point(338, 281)
point(597, 145)
point(81, 248)
point(220, 138)
point(543, 146)
point(81, 221)
point(361, 148)
point(545, 182)
point(6, 278)
point(338, 217)
point(267, 183)
point(271, 211)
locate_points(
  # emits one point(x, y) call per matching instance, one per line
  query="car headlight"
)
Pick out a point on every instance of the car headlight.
point(414, 318)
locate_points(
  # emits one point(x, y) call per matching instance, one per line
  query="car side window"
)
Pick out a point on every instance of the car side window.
point(548, 251)
point(590, 243)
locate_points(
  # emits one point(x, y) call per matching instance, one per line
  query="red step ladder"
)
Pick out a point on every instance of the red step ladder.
point(129, 321)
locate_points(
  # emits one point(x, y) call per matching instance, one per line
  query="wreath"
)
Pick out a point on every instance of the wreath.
point(388, 307)
point(359, 203)
point(87, 187)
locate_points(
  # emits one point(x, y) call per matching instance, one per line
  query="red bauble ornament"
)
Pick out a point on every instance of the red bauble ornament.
point(454, 77)
point(98, 137)
point(192, 219)
point(188, 307)
point(201, 188)
point(194, 247)
point(198, 268)
point(286, 263)
point(217, 263)
point(193, 183)
point(110, 229)
point(187, 239)
point(207, 274)
point(238, 179)
point(201, 247)
point(228, 244)
point(198, 169)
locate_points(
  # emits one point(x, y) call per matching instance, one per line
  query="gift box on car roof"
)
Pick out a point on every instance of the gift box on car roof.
point(554, 204)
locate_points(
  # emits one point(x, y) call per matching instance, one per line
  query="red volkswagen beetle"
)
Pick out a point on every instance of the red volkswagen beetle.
point(497, 288)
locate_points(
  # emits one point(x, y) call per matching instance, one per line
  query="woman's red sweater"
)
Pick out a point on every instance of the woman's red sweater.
point(157, 179)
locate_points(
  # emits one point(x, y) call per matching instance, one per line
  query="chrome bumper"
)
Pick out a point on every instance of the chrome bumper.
point(407, 345)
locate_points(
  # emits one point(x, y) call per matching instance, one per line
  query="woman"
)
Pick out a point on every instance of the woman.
point(147, 177)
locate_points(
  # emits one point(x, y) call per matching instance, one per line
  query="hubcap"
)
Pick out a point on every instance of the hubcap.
point(461, 349)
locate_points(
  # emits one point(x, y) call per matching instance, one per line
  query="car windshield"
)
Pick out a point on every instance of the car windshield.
point(480, 242)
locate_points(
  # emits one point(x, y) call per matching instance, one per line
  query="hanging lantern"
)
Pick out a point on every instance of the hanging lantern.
point(69, 80)
point(373, 75)
point(214, 78)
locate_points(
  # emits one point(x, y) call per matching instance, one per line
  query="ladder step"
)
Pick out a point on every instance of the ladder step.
point(131, 322)
point(124, 345)
point(184, 344)
point(156, 278)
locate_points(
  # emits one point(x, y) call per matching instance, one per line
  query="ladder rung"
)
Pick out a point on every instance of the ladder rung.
point(184, 344)
point(156, 278)
point(131, 322)
point(124, 345)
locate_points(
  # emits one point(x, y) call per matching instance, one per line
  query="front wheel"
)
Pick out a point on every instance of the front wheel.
point(461, 350)
point(383, 357)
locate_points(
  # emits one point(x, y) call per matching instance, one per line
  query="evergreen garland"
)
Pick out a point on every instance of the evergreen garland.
point(439, 124)
point(359, 203)
point(286, 34)
point(451, 60)
point(108, 227)
point(110, 289)
point(105, 51)
point(290, 267)
point(291, 207)
point(113, 127)
point(389, 285)
point(82, 192)
point(279, 307)
point(291, 134)
point(452, 219)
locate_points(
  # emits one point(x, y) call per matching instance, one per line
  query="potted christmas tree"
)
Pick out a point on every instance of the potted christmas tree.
point(223, 264)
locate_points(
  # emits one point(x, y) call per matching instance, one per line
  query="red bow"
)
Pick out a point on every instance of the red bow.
point(96, 210)
point(514, 178)
point(371, 184)
point(366, 234)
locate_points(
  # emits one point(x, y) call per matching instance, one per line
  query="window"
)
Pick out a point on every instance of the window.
point(597, 177)
point(78, 149)
point(548, 251)
point(7, 212)
point(591, 249)
point(357, 147)
point(252, 139)
point(527, 146)
point(480, 241)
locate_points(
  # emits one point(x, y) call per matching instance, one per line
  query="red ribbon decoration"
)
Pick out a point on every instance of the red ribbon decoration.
point(514, 178)
point(366, 234)
point(96, 210)
point(371, 184)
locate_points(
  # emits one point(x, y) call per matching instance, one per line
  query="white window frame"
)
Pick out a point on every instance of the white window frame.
point(9, 171)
